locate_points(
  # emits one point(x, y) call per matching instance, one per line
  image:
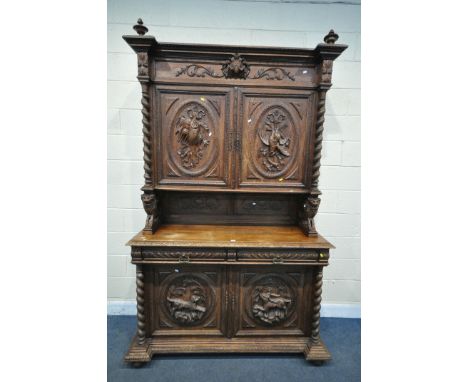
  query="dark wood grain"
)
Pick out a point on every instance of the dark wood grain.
point(230, 259)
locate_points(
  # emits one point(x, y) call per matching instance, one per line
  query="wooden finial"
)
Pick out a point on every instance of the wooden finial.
point(331, 37)
point(140, 28)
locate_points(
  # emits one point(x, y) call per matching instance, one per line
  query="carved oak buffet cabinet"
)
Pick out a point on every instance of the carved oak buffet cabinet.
point(229, 259)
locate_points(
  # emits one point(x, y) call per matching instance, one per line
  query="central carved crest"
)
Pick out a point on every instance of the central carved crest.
point(192, 133)
point(236, 67)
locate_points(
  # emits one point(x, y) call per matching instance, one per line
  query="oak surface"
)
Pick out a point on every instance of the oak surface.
point(229, 236)
point(229, 259)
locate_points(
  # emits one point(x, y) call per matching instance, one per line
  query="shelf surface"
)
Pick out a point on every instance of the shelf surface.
point(229, 236)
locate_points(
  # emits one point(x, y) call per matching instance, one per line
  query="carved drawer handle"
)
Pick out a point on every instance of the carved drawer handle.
point(184, 259)
point(277, 260)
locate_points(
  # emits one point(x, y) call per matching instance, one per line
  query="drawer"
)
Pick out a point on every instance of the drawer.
point(179, 255)
point(282, 256)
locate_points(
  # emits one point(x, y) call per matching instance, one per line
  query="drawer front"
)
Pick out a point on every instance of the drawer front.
point(179, 255)
point(282, 256)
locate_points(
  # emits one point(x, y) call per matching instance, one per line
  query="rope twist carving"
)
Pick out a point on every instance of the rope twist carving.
point(140, 304)
point(317, 299)
point(318, 140)
point(147, 153)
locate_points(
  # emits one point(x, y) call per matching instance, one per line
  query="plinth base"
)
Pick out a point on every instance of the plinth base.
point(138, 354)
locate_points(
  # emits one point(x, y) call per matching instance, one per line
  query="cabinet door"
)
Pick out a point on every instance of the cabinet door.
point(193, 136)
point(188, 300)
point(274, 129)
point(271, 302)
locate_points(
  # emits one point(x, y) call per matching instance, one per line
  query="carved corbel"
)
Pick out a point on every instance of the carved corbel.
point(152, 209)
point(307, 214)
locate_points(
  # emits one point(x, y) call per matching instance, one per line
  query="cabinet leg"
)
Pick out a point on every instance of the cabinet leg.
point(140, 290)
point(315, 349)
point(140, 350)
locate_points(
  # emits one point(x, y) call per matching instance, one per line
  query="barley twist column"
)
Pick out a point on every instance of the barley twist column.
point(318, 140)
point(317, 299)
point(141, 332)
point(147, 150)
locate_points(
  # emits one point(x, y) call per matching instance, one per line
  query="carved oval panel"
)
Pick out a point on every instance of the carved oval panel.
point(275, 142)
point(194, 139)
point(188, 298)
point(270, 300)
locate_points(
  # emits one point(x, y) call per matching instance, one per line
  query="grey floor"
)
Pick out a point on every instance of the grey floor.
point(342, 337)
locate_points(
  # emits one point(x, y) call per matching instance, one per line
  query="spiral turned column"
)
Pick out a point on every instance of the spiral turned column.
point(318, 140)
point(140, 282)
point(147, 151)
point(317, 299)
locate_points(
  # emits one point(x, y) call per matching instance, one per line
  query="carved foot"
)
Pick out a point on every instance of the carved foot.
point(316, 352)
point(138, 354)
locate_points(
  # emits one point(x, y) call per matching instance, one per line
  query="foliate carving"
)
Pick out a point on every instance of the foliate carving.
point(327, 69)
point(194, 70)
point(272, 300)
point(187, 300)
point(192, 133)
point(142, 63)
point(236, 67)
point(290, 254)
point(274, 74)
point(188, 254)
point(275, 139)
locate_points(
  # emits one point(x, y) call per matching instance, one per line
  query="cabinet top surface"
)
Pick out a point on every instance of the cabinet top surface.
point(229, 236)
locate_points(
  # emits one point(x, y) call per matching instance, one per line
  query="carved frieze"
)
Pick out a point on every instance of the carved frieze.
point(192, 132)
point(235, 67)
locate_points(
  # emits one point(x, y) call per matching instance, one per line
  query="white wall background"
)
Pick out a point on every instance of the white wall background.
point(268, 23)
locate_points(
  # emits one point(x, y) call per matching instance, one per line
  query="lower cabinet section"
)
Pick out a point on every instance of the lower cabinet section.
point(228, 301)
